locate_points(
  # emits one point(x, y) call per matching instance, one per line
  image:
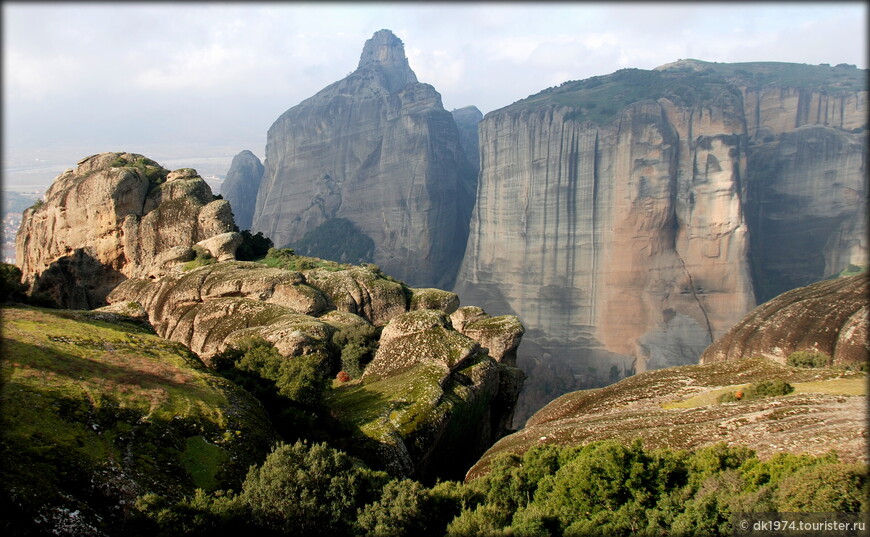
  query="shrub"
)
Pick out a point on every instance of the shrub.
point(401, 510)
point(11, 287)
point(304, 490)
point(763, 388)
point(358, 344)
point(825, 488)
point(202, 257)
point(807, 359)
point(768, 388)
point(253, 246)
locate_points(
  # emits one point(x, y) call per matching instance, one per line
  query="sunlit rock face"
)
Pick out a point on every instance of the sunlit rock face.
point(828, 318)
point(615, 215)
point(116, 216)
point(378, 149)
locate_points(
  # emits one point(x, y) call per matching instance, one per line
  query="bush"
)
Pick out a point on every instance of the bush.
point(401, 511)
point(358, 345)
point(305, 490)
point(202, 257)
point(826, 488)
point(768, 388)
point(290, 388)
point(807, 359)
point(11, 287)
point(253, 246)
point(764, 388)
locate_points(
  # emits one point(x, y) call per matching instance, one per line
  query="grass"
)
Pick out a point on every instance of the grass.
point(398, 403)
point(88, 402)
point(203, 461)
point(844, 386)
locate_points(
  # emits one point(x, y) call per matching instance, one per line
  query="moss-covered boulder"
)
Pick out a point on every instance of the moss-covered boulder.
point(434, 299)
point(98, 411)
point(423, 336)
point(500, 335)
point(362, 291)
point(429, 403)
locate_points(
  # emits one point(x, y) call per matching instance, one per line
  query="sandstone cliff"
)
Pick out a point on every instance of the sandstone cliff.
point(377, 149)
point(828, 317)
point(117, 215)
point(241, 186)
point(615, 215)
point(679, 407)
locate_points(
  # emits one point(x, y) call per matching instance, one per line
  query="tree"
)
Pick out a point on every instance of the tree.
point(304, 490)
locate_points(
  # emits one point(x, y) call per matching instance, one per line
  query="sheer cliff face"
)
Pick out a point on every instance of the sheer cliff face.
point(625, 239)
point(376, 148)
point(622, 240)
point(241, 186)
point(807, 184)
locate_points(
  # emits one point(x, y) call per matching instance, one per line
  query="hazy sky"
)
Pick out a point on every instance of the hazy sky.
point(175, 81)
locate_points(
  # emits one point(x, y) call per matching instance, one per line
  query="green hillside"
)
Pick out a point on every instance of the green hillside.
point(98, 411)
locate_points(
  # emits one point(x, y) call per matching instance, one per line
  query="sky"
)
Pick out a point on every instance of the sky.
point(192, 84)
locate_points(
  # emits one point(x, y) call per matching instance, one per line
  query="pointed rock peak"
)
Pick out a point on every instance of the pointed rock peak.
point(387, 52)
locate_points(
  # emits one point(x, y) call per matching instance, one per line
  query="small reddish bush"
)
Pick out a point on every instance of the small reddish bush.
point(342, 376)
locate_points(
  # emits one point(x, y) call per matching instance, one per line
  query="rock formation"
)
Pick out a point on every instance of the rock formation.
point(828, 317)
point(427, 386)
point(241, 185)
point(467, 119)
point(378, 149)
point(677, 408)
point(116, 216)
point(615, 215)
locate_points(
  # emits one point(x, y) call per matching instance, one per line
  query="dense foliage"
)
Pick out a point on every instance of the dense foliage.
point(604, 488)
point(358, 344)
point(254, 246)
point(291, 389)
point(808, 359)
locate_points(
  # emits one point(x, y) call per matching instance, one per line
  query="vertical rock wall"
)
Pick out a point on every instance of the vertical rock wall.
point(378, 149)
point(632, 243)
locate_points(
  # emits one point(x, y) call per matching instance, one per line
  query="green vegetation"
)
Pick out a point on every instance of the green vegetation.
point(337, 239)
point(757, 390)
point(155, 173)
point(11, 288)
point(599, 99)
point(253, 246)
point(603, 488)
point(808, 359)
point(290, 388)
point(202, 257)
point(358, 345)
point(287, 259)
point(96, 407)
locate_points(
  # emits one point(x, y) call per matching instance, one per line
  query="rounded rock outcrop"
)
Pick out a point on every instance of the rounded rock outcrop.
point(110, 219)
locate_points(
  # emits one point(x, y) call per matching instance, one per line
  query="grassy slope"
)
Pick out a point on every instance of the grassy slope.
point(98, 411)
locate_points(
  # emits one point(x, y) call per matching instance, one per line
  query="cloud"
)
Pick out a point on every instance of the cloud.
point(200, 72)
